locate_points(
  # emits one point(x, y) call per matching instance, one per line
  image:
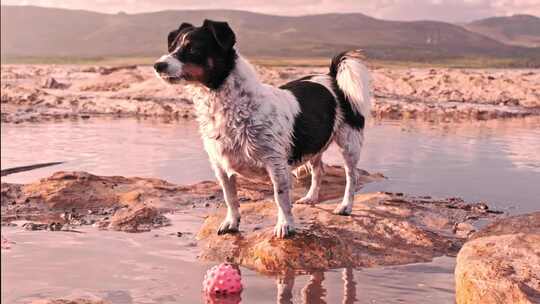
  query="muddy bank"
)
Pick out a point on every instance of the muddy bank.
point(501, 263)
point(385, 228)
point(43, 92)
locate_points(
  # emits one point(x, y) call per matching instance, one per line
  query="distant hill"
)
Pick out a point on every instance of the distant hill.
point(522, 30)
point(49, 32)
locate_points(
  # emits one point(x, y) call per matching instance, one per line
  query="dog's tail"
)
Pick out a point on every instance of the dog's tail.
point(353, 78)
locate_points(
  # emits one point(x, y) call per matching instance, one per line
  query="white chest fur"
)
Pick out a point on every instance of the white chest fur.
point(245, 123)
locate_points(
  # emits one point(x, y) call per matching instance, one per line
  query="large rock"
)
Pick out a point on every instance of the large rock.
point(501, 264)
point(134, 204)
point(135, 219)
point(384, 229)
point(116, 202)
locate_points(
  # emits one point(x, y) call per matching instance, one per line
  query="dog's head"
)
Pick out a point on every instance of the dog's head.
point(202, 54)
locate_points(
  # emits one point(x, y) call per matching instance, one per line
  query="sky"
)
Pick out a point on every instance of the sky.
point(443, 10)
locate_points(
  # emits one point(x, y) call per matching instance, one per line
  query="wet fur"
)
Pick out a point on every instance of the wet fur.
point(259, 131)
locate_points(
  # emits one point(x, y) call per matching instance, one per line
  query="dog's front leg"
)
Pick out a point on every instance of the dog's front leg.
point(280, 175)
point(228, 184)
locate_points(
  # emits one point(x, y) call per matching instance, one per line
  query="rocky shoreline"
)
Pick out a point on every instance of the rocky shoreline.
point(499, 260)
point(35, 93)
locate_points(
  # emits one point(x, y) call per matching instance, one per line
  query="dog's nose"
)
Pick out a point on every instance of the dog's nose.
point(160, 66)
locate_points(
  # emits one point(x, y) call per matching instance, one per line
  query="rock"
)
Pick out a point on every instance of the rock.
point(55, 226)
point(526, 223)
point(384, 229)
point(501, 263)
point(112, 81)
point(464, 229)
point(109, 70)
point(127, 204)
point(34, 226)
point(52, 83)
point(135, 219)
point(70, 195)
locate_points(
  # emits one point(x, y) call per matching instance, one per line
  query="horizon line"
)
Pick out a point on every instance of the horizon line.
point(257, 13)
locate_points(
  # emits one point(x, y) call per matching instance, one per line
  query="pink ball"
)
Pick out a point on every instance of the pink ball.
point(222, 279)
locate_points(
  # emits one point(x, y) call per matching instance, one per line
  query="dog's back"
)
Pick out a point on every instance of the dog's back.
point(328, 101)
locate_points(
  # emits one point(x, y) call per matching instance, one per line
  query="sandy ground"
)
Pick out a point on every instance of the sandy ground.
point(42, 92)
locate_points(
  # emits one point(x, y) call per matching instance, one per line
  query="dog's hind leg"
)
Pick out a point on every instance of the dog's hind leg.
point(280, 174)
point(228, 184)
point(349, 141)
point(316, 169)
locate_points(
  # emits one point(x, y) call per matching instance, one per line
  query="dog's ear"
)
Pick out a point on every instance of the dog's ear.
point(222, 33)
point(172, 35)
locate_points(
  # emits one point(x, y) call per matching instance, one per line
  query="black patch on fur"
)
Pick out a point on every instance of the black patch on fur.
point(172, 38)
point(352, 118)
point(209, 46)
point(314, 125)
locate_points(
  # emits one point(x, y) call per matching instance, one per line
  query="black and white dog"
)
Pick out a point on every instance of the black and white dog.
point(256, 130)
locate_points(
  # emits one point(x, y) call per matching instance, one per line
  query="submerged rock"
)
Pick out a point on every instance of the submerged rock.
point(384, 229)
point(53, 226)
point(501, 263)
point(52, 83)
point(135, 219)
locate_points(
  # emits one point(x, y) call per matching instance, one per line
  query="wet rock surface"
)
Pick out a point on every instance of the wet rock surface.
point(501, 263)
point(44, 92)
point(130, 204)
point(135, 219)
point(384, 229)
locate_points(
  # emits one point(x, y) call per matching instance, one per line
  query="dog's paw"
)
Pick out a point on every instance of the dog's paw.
point(308, 200)
point(228, 226)
point(343, 210)
point(283, 230)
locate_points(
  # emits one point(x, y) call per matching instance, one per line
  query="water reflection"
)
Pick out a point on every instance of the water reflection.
point(495, 160)
point(314, 291)
point(228, 299)
point(159, 267)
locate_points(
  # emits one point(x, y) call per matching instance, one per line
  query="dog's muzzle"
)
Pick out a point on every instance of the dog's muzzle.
point(161, 67)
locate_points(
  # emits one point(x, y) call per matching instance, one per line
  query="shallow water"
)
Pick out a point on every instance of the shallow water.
point(158, 267)
point(495, 161)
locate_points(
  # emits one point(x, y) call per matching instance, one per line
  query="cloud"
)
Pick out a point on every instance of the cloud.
point(446, 10)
